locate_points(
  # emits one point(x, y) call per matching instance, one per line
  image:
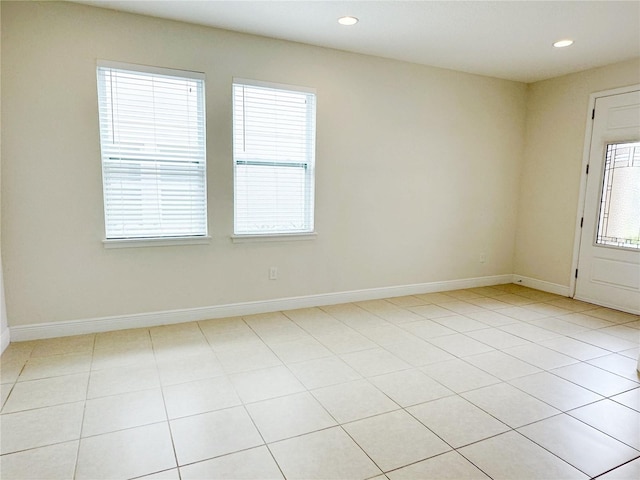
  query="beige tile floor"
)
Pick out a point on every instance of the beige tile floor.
point(497, 382)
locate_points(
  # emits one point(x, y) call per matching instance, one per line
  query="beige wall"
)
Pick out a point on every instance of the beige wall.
point(417, 170)
point(554, 143)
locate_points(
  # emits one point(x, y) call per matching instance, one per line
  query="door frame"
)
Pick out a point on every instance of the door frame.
point(582, 196)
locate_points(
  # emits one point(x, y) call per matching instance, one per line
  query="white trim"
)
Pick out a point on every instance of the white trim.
point(542, 285)
point(582, 195)
point(168, 72)
point(155, 242)
point(93, 325)
point(274, 237)
point(5, 339)
point(272, 85)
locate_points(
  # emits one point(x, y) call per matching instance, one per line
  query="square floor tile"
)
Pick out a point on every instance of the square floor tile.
point(40, 427)
point(315, 320)
point(614, 419)
point(246, 359)
point(285, 417)
point(501, 365)
point(123, 357)
point(510, 456)
point(461, 307)
point(628, 471)
point(55, 366)
point(406, 301)
point(457, 421)
point(55, 461)
point(208, 435)
point(126, 454)
point(410, 387)
point(354, 400)
point(529, 332)
point(555, 391)
point(448, 466)
point(300, 349)
point(427, 329)
point(460, 323)
point(618, 364)
point(10, 370)
point(510, 405)
point(138, 337)
point(630, 399)
point(418, 353)
point(64, 345)
point(595, 379)
point(493, 319)
point(126, 410)
point(345, 342)
point(323, 372)
point(267, 383)
point(238, 339)
point(253, 464)
point(395, 439)
point(603, 340)
point(431, 311)
point(47, 392)
point(189, 368)
point(459, 375)
point(376, 361)
point(557, 325)
point(587, 321)
point(171, 474)
point(584, 447)
point(328, 454)
point(112, 381)
point(388, 334)
point(615, 316)
point(523, 314)
point(352, 315)
point(541, 357)
point(574, 348)
point(199, 397)
point(460, 345)
point(497, 338)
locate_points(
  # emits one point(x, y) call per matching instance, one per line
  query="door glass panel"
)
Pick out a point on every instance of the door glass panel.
point(619, 216)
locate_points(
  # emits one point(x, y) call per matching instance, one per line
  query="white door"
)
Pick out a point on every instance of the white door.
point(609, 259)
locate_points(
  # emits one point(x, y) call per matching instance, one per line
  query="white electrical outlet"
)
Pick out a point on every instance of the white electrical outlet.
point(273, 273)
point(483, 258)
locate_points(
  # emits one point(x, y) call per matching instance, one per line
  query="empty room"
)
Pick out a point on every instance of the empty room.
point(320, 240)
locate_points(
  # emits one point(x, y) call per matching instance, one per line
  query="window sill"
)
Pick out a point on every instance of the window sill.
point(155, 242)
point(275, 237)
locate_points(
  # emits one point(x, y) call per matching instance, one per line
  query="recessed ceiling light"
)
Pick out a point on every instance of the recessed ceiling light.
point(348, 20)
point(563, 43)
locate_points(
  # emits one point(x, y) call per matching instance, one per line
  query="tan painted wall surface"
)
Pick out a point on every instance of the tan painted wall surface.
point(554, 143)
point(418, 170)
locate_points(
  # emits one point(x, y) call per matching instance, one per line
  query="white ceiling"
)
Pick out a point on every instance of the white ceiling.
point(505, 39)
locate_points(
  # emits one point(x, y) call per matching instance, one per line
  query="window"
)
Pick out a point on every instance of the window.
point(619, 215)
point(274, 156)
point(152, 135)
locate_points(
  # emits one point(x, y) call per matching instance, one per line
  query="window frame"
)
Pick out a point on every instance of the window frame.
point(309, 166)
point(169, 238)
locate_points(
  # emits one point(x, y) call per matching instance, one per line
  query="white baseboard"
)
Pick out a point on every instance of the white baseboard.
point(541, 285)
point(141, 320)
point(5, 339)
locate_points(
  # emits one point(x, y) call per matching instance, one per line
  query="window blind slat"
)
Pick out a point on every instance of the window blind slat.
point(152, 134)
point(274, 159)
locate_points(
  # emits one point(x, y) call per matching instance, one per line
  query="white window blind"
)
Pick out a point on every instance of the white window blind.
point(152, 134)
point(274, 156)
